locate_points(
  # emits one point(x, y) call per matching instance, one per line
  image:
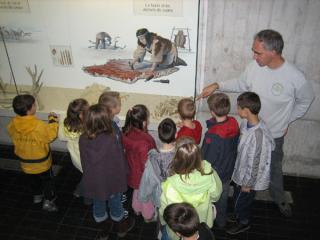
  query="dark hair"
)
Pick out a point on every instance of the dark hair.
point(167, 130)
point(75, 115)
point(186, 108)
point(141, 31)
point(135, 118)
point(272, 40)
point(110, 99)
point(22, 104)
point(182, 218)
point(251, 101)
point(219, 103)
point(97, 120)
point(187, 158)
point(148, 36)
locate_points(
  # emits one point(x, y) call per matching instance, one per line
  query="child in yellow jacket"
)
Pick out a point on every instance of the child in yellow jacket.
point(31, 138)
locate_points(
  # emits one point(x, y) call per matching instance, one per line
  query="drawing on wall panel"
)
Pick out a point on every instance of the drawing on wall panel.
point(13, 34)
point(154, 57)
point(167, 107)
point(105, 41)
point(61, 55)
point(8, 93)
point(181, 38)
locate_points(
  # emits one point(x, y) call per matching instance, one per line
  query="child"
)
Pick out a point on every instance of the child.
point(112, 101)
point(189, 126)
point(137, 143)
point(252, 168)
point(220, 148)
point(193, 180)
point(31, 138)
point(70, 130)
point(167, 133)
point(102, 160)
point(183, 219)
point(157, 165)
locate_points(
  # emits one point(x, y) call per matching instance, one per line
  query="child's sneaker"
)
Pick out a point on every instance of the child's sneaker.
point(37, 198)
point(124, 198)
point(238, 228)
point(125, 225)
point(49, 206)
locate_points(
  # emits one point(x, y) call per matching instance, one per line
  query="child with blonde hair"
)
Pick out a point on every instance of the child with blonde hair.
point(188, 126)
point(112, 100)
point(70, 129)
point(192, 180)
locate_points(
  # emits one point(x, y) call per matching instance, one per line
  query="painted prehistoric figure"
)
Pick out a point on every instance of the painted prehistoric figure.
point(102, 38)
point(164, 53)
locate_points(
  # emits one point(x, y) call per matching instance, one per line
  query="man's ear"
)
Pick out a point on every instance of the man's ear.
point(274, 53)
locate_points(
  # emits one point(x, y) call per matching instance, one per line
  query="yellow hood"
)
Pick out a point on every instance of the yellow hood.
point(25, 124)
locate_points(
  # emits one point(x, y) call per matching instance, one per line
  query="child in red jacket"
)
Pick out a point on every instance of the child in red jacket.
point(188, 126)
point(137, 142)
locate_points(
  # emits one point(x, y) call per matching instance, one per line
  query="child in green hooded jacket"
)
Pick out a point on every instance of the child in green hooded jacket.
point(193, 181)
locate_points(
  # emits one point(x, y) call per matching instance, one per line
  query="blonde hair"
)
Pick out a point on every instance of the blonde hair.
point(110, 99)
point(187, 158)
point(186, 108)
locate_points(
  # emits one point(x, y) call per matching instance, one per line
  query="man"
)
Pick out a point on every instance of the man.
point(285, 96)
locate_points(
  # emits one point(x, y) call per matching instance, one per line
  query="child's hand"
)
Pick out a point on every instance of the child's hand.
point(52, 117)
point(53, 114)
point(245, 189)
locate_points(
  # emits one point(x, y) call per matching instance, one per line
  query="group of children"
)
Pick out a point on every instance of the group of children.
point(177, 182)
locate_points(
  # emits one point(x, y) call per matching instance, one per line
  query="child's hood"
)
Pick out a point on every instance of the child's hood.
point(71, 135)
point(195, 183)
point(225, 129)
point(25, 124)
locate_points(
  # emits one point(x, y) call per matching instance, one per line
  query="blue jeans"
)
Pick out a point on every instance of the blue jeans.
point(164, 232)
point(276, 174)
point(115, 207)
point(242, 204)
point(222, 205)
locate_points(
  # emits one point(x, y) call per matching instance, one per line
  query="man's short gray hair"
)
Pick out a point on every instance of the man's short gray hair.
point(272, 40)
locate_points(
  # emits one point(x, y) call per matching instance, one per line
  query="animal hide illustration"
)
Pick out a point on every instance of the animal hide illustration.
point(120, 70)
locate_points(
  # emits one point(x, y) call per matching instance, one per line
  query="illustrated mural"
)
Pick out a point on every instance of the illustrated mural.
point(8, 92)
point(163, 59)
point(147, 53)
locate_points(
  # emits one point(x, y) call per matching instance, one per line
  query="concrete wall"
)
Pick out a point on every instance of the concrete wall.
point(225, 50)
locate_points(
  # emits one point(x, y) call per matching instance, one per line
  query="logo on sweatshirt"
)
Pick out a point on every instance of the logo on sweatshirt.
point(277, 89)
